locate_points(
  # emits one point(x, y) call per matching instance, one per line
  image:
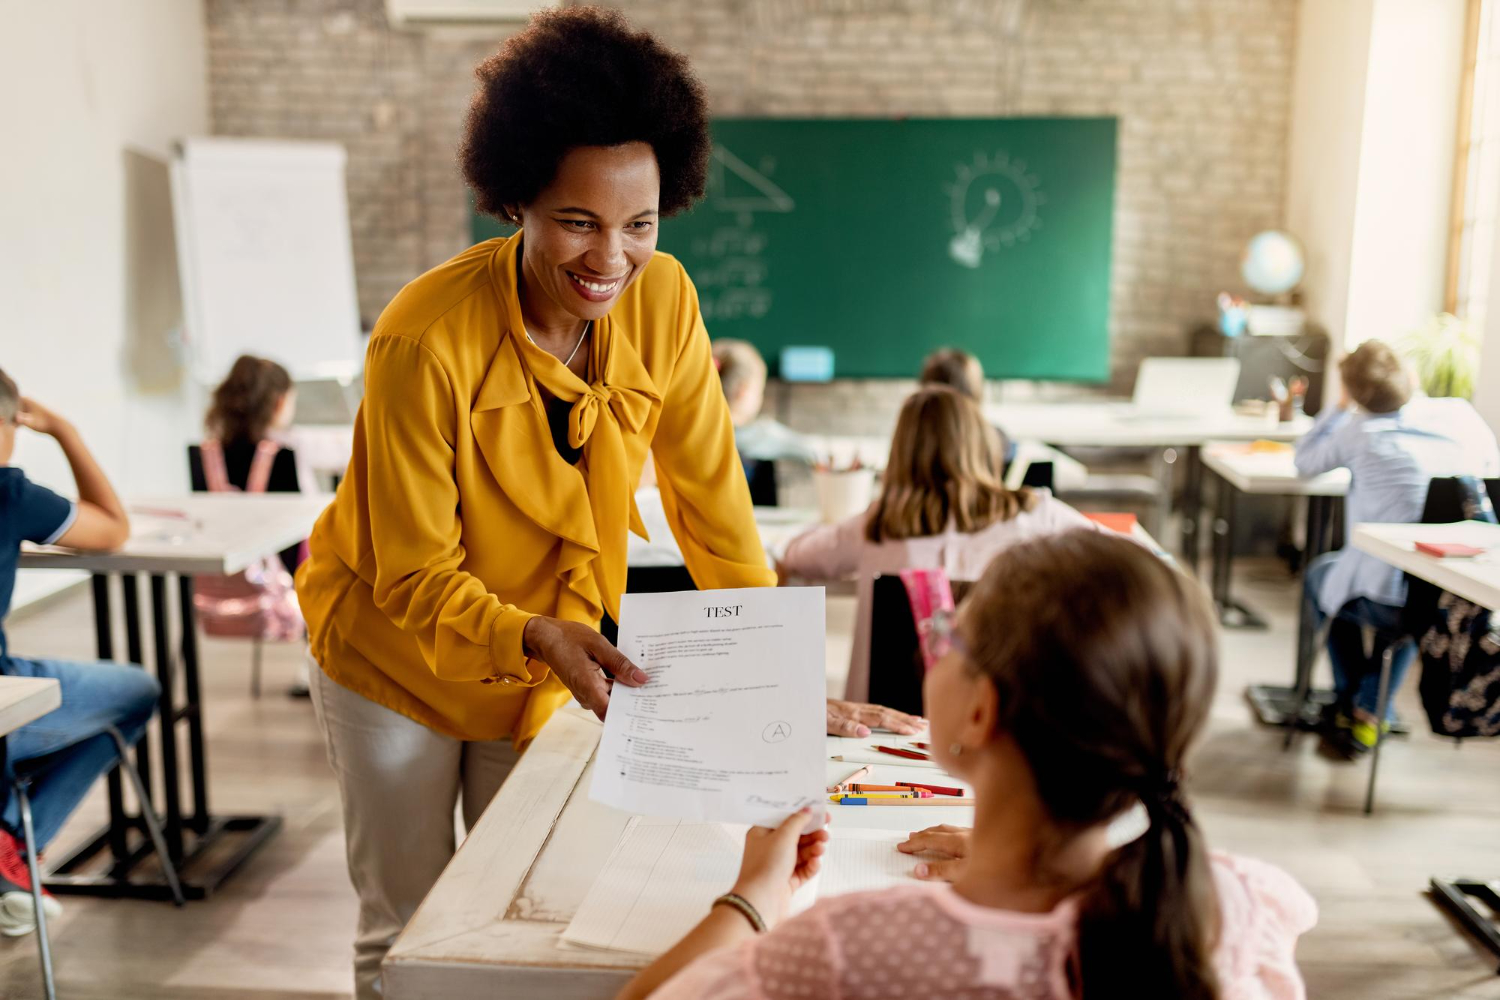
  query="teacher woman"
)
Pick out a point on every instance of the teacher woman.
point(456, 583)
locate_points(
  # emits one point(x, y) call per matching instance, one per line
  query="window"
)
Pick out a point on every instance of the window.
point(1476, 202)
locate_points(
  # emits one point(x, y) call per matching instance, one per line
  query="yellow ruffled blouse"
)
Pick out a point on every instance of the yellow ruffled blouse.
point(458, 520)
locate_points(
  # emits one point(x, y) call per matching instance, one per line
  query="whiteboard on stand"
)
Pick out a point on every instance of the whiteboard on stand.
point(265, 256)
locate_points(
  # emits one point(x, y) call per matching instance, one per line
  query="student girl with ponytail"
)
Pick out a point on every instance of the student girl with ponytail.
point(1068, 690)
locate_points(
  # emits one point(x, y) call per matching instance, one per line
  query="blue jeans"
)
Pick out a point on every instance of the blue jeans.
point(67, 750)
point(1356, 677)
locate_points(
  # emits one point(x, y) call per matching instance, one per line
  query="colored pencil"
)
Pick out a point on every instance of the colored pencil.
point(855, 787)
point(850, 801)
point(875, 795)
point(898, 752)
point(935, 789)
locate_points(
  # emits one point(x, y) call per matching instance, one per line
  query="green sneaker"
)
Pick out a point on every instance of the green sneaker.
point(1363, 735)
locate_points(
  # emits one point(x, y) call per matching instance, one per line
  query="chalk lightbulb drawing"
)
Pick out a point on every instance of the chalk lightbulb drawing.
point(993, 201)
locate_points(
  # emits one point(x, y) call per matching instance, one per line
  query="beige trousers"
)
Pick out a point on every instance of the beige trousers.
point(399, 782)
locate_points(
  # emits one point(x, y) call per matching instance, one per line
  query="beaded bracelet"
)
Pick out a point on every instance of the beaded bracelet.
point(744, 905)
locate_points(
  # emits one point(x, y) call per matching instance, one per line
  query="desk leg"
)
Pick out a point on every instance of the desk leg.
point(193, 705)
point(207, 859)
point(1192, 506)
point(166, 674)
point(1300, 705)
point(130, 586)
point(1232, 614)
point(104, 643)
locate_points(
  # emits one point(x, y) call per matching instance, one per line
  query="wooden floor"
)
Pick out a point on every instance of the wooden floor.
point(281, 929)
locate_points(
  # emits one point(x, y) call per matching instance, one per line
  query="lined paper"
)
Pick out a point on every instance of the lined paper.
point(662, 876)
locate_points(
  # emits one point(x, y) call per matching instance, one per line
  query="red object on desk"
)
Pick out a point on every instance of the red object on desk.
point(909, 754)
point(1123, 523)
point(1448, 549)
point(935, 789)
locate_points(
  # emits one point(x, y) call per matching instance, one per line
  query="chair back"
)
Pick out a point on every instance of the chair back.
point(896, 668)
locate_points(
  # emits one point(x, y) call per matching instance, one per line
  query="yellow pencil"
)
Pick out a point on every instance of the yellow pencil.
point(873, 795)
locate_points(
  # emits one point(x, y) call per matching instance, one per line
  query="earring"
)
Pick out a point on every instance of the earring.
point(956, 749)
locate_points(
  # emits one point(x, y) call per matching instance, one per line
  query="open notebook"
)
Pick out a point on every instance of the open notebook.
point(663, 874)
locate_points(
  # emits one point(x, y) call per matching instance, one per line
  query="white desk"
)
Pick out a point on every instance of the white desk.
point(187, 535)
point(491, 926)
point(1273, 473)
point(1476, 579)
point(1114, 423)
point(26, 699)
point(208, 533)
point(778, 526)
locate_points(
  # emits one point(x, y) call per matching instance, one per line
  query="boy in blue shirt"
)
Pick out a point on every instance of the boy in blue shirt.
point(1393, 444)
point(66, 751)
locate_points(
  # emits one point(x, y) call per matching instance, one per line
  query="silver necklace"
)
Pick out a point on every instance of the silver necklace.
point(576, 346)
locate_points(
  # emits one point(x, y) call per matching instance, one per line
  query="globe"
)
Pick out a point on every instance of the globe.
point(1273, 262)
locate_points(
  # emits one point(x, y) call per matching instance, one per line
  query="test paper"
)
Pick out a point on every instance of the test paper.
point(731, 726)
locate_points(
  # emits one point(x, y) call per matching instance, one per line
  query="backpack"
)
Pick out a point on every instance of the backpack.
point(1459, 643)
point(260, 601)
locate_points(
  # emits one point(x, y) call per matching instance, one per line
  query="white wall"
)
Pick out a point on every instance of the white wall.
point(1323, 148)
point(1487, 388)
point(1404, 198)
point(92, 94)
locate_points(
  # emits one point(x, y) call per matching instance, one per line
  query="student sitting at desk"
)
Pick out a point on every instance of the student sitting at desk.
point(942, 503)
point(759, 440)
point(67, 750)
point(1068, 689)
point(958, 369)
point(252, 409)
point(1393, 445)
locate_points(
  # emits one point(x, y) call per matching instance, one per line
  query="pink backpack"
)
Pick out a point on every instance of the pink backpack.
point(259, 602)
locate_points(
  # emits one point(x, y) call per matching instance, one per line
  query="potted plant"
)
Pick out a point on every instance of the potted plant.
point(1445, 354)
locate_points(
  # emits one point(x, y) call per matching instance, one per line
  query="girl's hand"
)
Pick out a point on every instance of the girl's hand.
point(950, 841)
point(779, 862)
point(857, 718)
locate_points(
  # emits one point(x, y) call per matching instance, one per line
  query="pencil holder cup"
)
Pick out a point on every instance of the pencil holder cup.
point(843, 493)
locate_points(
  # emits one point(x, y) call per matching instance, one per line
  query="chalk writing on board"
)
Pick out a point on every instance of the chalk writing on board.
point(993, 202)
point(734, 285)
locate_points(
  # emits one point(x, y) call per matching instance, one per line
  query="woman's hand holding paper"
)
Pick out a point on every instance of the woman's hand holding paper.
point(585, 661)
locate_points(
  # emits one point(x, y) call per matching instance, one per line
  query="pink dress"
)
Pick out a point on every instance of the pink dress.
point(924, 940)
point(839, 551)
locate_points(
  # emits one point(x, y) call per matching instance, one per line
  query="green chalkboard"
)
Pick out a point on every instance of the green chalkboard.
point(883, 239)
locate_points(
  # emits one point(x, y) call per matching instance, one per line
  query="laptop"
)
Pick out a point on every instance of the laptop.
point(327, 400)
point(1184, 388)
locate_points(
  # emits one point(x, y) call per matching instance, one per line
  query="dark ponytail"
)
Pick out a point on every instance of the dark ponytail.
point(245, 403)
point(1103, 691)
point(1147, 928)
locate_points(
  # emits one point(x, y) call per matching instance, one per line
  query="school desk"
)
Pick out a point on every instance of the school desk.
point(1474, 579)
point(174, 537)
point(1242, 468)
point(1113, 423)
point(492, 923)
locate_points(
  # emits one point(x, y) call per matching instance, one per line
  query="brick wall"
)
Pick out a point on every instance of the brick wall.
point(1201, 88)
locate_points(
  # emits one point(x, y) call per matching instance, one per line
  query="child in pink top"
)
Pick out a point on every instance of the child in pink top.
point(1067, 690)
point(943, 505)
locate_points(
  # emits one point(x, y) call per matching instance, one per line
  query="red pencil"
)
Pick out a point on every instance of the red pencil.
point(935, 789)
point(908, 754)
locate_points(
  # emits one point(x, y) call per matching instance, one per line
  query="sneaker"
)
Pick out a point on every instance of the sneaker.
point(17, 907)
point(1364, 735)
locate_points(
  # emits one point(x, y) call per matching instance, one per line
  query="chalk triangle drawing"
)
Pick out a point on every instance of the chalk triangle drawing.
point(727, 169)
